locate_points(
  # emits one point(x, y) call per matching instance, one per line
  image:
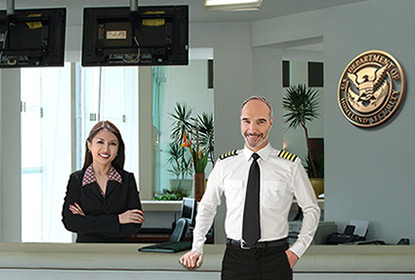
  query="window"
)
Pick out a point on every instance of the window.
point(46, 151)
point(286, 79)
point(186, 85)
point(315, 74)
point(58, 101)
point(109, 93)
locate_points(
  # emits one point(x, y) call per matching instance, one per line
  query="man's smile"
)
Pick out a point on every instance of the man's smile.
point(253, 136)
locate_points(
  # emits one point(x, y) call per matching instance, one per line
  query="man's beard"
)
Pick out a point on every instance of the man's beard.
point(256, 142)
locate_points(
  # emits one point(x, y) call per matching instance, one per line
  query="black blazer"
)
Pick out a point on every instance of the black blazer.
point(100, 223)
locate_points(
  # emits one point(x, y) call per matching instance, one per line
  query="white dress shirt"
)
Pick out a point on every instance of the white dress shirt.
point(280, 181)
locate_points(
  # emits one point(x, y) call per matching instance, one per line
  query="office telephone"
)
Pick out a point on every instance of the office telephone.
point(347, 236)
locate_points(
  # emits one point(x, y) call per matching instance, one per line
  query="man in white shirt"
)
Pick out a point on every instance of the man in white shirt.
point(281, 178)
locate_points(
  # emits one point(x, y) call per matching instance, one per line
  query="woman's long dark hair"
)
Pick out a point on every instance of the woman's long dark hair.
point(119, 160)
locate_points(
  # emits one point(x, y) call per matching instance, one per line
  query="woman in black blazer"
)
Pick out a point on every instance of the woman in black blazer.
point(102, 203)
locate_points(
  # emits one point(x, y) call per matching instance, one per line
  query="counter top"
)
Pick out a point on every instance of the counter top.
point(175, 205)
point(318, 258)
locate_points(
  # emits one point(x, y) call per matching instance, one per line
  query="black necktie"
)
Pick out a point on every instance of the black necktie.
point(251, 228)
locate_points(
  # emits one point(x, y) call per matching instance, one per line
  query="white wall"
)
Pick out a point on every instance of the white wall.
point(189, 84)
point(233, 83)
point(233, 75)
point(368, 171)
point(376, 178)
point(145, 136)
point(10, 203)
point(268, 83)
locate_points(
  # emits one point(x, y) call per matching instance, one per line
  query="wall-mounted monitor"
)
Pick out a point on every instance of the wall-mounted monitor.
point(32, 38)
point(152, 35)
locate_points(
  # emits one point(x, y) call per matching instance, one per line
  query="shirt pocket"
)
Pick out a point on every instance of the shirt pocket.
point(273, 193)
point(233, 192)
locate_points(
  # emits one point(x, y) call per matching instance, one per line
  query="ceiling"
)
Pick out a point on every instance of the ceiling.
point(269, 8)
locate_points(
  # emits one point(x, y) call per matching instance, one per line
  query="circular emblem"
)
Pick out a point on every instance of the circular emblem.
point(371, 88)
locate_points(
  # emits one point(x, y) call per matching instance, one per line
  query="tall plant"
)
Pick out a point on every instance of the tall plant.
point(196, 133)
point(206, 127)
point(302, 106)
point(182, 121)
point(180, 165)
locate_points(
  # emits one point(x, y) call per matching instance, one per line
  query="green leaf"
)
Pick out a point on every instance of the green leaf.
point(301, 104)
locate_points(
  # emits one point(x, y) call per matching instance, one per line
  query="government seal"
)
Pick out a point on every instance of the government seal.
point(371, 88)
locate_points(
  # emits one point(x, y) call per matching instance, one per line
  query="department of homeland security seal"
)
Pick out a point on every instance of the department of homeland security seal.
point(371, 88)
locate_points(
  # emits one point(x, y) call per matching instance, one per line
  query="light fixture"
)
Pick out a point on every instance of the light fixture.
point(232, 5)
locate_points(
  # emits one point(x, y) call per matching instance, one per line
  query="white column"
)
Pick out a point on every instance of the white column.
point(145, 133)
point(10, 160)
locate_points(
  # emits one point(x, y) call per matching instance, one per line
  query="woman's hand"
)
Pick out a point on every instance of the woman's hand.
point(131, 216)
point(76, 209)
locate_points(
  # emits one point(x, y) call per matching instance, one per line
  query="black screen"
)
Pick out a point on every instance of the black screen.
point(154, 35)
point(31, 38)
point(189, 210)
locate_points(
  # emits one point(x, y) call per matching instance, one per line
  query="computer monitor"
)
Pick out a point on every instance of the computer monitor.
point(186, 220)
point(32, 38)
point(188, 211)
point(152, 35)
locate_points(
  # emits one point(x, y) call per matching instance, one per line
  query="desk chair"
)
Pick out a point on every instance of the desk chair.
point(176, 243)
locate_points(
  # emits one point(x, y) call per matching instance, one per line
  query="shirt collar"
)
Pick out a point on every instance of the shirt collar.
point(264, 153)
point(89, 176)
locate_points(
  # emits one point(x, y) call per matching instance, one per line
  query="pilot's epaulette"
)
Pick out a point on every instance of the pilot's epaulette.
point(229, 154)
point(286, 155)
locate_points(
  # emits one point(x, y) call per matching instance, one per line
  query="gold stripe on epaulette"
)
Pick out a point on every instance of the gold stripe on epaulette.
point(229, 154)
point(286, 155)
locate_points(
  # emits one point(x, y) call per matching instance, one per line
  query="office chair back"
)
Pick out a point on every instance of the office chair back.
point(179, 231)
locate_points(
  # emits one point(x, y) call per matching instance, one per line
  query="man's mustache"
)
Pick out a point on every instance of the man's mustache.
point(253, 134)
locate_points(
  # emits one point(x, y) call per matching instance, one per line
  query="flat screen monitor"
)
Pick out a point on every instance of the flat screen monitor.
point(189, 210)
point(32, 38)
point(152, 35)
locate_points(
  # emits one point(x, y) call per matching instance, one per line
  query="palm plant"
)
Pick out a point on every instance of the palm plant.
point(199, 130)
point(180, 165)
point(179, 162)
point(206, 127)
point(182, 121)
point(302, 105)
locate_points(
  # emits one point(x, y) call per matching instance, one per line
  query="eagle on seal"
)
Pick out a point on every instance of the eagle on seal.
point(371, 87)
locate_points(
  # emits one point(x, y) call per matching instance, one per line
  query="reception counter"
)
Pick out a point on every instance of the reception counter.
point(124, 261)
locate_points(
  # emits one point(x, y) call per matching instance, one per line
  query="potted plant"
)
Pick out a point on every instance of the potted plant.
point(184, 123)
point(171, 194)
point(301, 104)
point(196, 134)
point(180, 167)
point(316, 179)
point(199, 160)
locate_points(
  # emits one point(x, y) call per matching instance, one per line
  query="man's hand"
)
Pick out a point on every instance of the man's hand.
point(292, 258)
point(191, 259)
